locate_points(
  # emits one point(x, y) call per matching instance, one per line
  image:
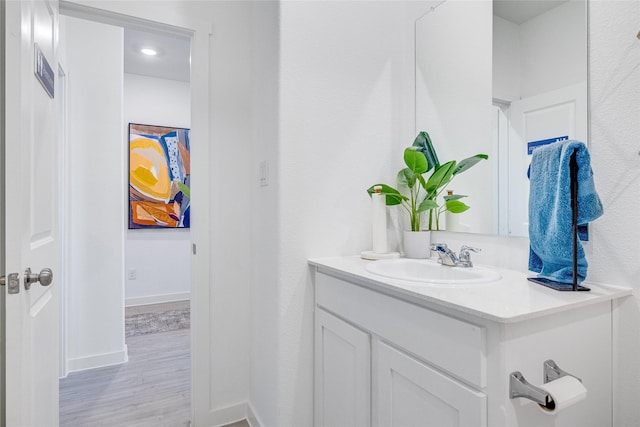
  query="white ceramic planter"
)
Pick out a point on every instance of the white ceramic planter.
point(417, 244)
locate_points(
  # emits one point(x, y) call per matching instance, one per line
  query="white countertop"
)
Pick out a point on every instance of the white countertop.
point(511, 299)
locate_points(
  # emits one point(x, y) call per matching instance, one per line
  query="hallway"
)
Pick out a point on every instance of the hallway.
point(151, 390)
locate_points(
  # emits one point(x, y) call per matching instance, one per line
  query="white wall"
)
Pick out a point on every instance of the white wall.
point(345, 110)
point(506, 70)
point(541, 54)
point(551, 60)
point(95, 289)
point(231, 205)
point(160, 258)
point(614, 143)
point(264, 221)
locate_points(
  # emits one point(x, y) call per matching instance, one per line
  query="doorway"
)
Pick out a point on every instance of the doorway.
point(129, 258)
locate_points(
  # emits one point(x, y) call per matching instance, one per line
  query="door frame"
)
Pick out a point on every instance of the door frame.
point(2, 219)
point(63, 203)
point(199, 34)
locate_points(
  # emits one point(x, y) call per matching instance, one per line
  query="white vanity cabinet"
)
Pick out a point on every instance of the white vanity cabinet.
point(342, 373)
point(387, 355)
point(409, 392)
point(366, 372)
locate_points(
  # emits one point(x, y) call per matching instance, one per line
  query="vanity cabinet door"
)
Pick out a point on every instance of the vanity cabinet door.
point(409, 393)
point(342, 373)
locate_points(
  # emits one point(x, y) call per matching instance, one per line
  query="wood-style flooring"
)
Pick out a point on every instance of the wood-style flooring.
point(151, 390)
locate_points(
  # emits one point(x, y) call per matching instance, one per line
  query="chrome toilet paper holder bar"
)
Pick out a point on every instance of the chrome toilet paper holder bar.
point(551, 371)
point(520, 387)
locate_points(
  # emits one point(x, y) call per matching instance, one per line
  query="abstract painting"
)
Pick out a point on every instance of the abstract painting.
point(159, 177)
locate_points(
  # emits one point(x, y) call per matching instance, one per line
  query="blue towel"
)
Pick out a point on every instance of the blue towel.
point(550, 215)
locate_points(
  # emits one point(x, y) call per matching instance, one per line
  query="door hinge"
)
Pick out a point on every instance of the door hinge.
point(193, 248)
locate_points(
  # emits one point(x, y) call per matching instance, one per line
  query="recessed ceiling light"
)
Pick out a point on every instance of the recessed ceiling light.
point(148, 51)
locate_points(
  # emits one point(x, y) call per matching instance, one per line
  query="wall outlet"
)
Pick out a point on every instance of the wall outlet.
point(132, 274)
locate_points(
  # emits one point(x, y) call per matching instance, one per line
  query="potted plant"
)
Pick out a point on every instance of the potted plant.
point(421, 194)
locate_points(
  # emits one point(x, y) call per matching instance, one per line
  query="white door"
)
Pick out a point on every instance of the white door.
point(31, 143)
point(410, 394)
point(342, 373)
point(535, 120)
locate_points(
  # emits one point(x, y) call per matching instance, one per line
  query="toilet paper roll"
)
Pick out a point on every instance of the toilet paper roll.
point(379, 223)
point(563, 392)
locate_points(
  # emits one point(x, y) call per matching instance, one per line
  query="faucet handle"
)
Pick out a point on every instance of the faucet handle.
point(445, 255)
point(464, 254)
point(439, 247)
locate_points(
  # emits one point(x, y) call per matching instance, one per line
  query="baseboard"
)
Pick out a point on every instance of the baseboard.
point(233, 414)
point(252, 417)
point(97, 361)
point(228, 415)
point(157, 299)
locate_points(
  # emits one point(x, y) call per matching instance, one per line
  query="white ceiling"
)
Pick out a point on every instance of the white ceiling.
point(172, 61)
point(520, 11)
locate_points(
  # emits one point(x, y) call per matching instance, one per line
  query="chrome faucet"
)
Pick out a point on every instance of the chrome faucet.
point(464, 256)
point(447, 257)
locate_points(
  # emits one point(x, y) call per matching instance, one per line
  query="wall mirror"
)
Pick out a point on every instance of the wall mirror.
point(500, 77)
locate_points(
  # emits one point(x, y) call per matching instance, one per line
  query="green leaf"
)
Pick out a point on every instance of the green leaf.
point(426, 205)
point(415, 160)
point(469, 162)
point(422, 181)
point(453, 197)
point(393, 196)
point(185, 190)
point(423, 142)
point(440, 177)
point(406, 177)
point(456, 206)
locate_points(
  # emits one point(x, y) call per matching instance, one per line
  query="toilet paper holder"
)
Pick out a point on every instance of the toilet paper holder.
point(520, 387)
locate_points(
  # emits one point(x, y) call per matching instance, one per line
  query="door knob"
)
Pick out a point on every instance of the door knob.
point(45, 277)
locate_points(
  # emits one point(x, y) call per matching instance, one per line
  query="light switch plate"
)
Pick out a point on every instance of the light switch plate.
point(264, 173)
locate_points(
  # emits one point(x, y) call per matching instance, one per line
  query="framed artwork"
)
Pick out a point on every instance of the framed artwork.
point(159, 177)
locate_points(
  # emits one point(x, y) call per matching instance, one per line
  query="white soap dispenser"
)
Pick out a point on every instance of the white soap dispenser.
point(453, 221)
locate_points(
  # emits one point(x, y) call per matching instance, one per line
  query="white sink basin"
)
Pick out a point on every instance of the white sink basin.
point(428, 271)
